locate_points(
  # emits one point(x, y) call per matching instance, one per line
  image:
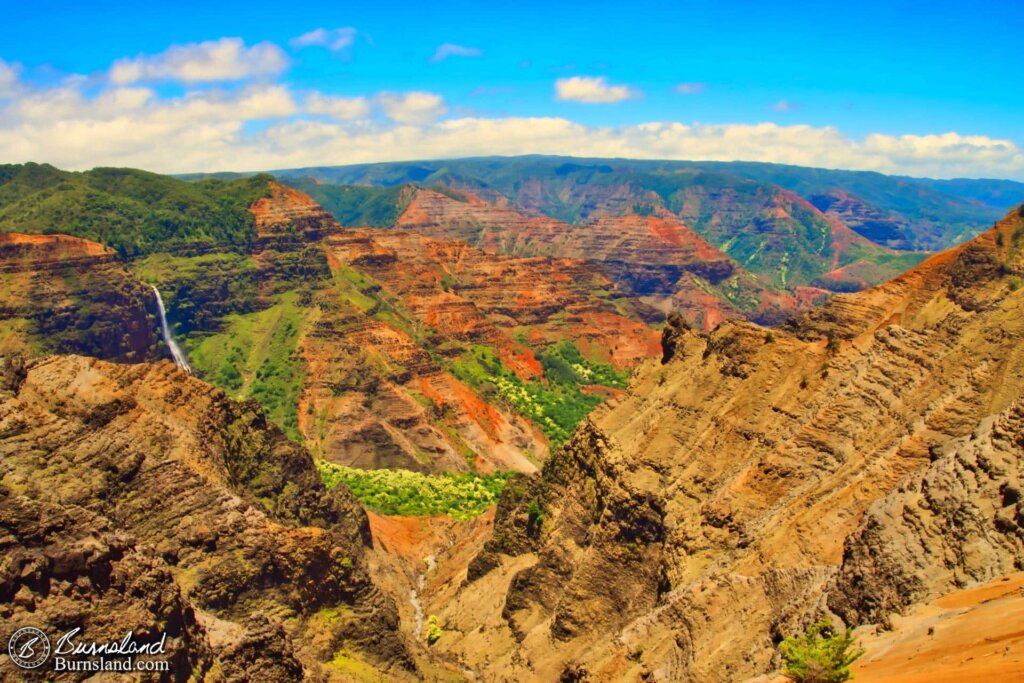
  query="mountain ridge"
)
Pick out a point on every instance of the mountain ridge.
point(958, 201)
point(721, 497)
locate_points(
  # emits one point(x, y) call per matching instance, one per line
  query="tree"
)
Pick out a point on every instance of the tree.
point(820, 655)
point(433, 630)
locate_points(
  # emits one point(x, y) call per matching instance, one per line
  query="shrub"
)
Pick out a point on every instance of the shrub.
point(819, 655)
point(831, 346)
point(535, 518)
point(433, 630)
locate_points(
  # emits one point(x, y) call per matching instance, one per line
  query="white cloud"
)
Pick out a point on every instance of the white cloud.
point(446, 50)
point(332, 39)
point(67, 102)
point(9, 74)
point(690, 88)
point(73, 126)
point(130, 127)
point(338, 107)
point(227, 59)
point(412, 107)
point(592, 90)
point(783, 106)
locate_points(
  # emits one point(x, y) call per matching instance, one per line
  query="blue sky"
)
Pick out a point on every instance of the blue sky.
point(927, 88)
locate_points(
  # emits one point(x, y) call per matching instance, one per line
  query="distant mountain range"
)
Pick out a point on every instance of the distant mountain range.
point(900, 212)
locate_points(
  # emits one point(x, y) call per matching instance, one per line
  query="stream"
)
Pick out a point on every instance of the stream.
point(414, 594)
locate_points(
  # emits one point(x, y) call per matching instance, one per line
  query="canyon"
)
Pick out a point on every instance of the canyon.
point(700, 460)
point(863, 458)
point(374, 350)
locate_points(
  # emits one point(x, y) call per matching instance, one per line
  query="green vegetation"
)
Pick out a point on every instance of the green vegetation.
point(353, 668)
point(819, 655)
point(534, 518)
point(433, 630)
point(355, 205)
point(564, 364)
point(556, 404)
point(133, 211)
point(255, 356)
point(873, 265)
point(163, 268)
point(200, 290)
point(353, 285)
point(411, 494)
point(831, 344)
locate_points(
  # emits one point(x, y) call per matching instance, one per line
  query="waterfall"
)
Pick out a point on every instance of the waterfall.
point(179, 357)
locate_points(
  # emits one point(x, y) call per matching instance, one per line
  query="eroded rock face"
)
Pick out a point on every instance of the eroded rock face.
point(63, 294)
point(363, 402)
point(762, 453)
point(958, 522)
point(287, 217)
point(201, 518)
point(465, 293)
point(65, 567)
point(654, 256)
point(376, 319)
point(888, 229)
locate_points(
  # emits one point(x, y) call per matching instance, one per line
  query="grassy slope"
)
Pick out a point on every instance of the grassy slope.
point(248, 351)
point(557, 404)
point(256, 356)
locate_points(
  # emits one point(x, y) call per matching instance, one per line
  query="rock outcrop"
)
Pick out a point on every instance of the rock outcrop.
point(135, 496)
point(762, 478)
point(63, 294)
point(289, 217)
point(958, 522)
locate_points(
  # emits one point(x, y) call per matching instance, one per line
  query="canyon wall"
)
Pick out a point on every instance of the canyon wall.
point(761, 478)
